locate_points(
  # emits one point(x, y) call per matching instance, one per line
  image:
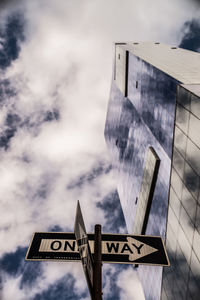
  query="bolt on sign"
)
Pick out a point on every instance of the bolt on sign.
point(116, 248)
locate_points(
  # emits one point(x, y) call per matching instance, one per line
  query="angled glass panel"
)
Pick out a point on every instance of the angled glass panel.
point(187, 225)
point(183, 97)
point(180, 141)
point(182, 118)
point(194, 287)
point(196, 244)
point(195, 265)
point(193, 156)
point(195, 105)
point(193, 131)
point(189, 203)
point(176, 183)
point(191, 180)
point(197, 223)
point(146, 192)
point(174, 202)
point(178, 162)
point(184, 244)
point(173, 221)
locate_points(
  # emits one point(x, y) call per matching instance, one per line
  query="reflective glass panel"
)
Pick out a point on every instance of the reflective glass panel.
point(191, 180)
point(193, 131)
point(180, 141)
point(186, 224)
point(189, 203)
point(182, 118)
point(193, 156)
point(196, 244)
point(183, 97)
point(195, 105)
point(178, 163)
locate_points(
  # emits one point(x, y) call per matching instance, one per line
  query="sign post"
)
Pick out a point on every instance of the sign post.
point(97, 277)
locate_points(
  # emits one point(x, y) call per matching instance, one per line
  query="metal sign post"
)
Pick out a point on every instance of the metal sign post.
point(97, 275)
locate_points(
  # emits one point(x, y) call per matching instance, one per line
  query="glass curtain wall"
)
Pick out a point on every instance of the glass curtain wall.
point(182, 279)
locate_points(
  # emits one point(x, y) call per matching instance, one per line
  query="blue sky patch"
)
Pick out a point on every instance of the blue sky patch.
point(11, 37)
point(62, 290)
point(113, 213)
point(12, 262)
point(191, 38)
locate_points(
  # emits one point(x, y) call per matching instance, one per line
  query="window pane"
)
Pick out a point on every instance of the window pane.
point(173, 221)
point(146, 193)
point(195, 105)
point(197, 223)
point(194, 287)
point(187, 225)
point(176, 183)
point(195, 265)
point(184, 97)
point(184, 244)
point(191, 180)
point(189, 203)
point(180, 141)
point(182, 118)
point(193, 156)
point(196, 244)
point(174, 202)
point(193, 132)
point(178, 163)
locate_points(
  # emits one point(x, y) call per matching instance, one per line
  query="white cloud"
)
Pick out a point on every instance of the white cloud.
point(11, 289)
point(129, 282)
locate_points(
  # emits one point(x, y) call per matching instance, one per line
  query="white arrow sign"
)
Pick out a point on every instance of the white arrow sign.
point(132, 247)
point(116, 248)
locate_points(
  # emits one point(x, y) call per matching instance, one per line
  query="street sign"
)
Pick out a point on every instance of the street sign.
point(134, 249)
point(116, 248)
point(83, 247)
point(55, 246)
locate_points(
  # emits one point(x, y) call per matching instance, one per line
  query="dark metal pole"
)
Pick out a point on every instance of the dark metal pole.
point(97, 275)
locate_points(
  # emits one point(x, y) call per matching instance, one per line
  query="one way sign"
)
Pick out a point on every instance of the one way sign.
point(134, 249)
point(116, 248)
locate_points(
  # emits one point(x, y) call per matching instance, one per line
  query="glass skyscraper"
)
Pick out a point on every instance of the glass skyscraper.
point(153, 135)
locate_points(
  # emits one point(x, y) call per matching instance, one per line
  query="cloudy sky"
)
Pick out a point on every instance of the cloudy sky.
point(55, 75)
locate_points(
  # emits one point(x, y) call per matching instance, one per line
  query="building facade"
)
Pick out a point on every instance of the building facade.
point(152, 132)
